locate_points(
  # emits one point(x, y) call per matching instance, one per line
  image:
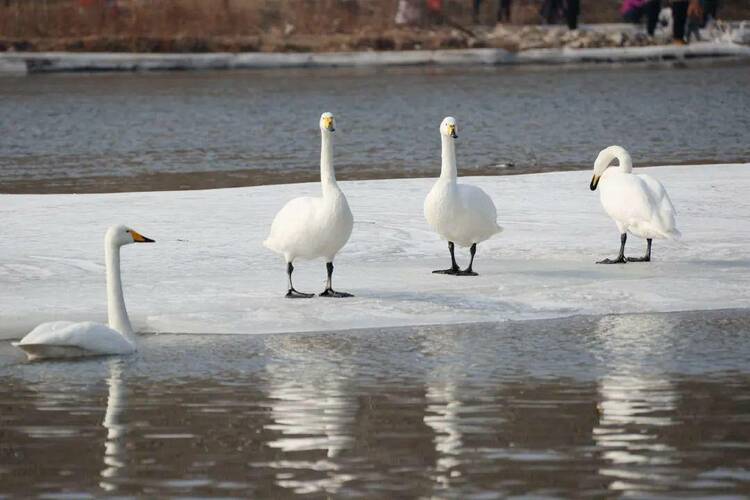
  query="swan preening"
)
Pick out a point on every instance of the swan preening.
point(311, 228)
point(460, 213)
point(65, 339)
point(638, 204)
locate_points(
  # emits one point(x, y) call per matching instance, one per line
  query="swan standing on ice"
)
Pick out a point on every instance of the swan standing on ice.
point(638, 204)
point(311, 228)
point(67, 339)
point(460, 213)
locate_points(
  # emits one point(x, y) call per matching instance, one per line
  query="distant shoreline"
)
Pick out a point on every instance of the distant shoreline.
point(192, 181)
point(21, 63)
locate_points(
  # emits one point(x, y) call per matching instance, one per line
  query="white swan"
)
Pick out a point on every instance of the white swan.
point(460, 213)
point(311, 228)
point(65, 339)
point(638, 204)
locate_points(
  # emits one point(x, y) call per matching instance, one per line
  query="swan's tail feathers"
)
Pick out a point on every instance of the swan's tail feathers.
point(270, 244)
point(498, 228)
point(674, 234)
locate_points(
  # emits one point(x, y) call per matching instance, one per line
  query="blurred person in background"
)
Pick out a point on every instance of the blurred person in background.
point(503, 11)
point(680, 11)
point(694, 21)
point(710, 9)
point(679, 20)
point(633, 10)
point(553, 10)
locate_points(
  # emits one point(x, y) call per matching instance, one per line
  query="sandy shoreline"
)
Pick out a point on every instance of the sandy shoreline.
point(21, 63)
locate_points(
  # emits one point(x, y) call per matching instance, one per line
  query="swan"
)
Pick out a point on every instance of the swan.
point(311, 228)
point(638, 204)
point(67, 339)
point(460, 213)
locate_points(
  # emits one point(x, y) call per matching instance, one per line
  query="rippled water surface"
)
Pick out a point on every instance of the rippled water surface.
point(648, 405)
point(122, 132)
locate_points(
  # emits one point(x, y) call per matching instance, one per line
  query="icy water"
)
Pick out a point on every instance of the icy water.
point(125, 132)
point(647, 405)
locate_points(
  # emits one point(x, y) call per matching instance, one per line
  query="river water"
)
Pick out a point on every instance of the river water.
point(649, 405)
point(124, 132)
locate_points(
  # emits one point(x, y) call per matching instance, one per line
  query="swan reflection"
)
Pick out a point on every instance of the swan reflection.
point(634, 405)
point(312, 410)
point(114, 451)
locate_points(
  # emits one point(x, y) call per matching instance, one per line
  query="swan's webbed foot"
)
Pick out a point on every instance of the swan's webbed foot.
point(621, 257)
point(646, 258)
point(453, 270)
point(330, 292)
point(294, 294)
point(618, 260)
point(467, 272)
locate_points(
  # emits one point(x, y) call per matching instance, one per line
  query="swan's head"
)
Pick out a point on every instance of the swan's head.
point(448, 127)
point(121, 235)
point(605, 159)
point(327, 123)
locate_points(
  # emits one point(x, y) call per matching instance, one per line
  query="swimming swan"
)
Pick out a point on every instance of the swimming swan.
point(638, 204)
point(66, 339)
point(311, 228)
point(459, 213)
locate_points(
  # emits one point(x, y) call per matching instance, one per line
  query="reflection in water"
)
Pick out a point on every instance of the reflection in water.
point(634, 407)
point(312, 411)
point(639, 405)
point(114, 451)
point(444, 408)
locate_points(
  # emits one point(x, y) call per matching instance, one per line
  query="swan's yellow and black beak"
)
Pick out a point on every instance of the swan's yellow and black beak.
point(139, 238)
point(328, 123)
point(452, 131)
point(594, 182)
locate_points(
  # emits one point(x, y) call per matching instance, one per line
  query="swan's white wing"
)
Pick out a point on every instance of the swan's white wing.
point(664, 214)
point(626, 199)
point(292, 224)
point(86, 337)
point(479, 211)
point(659, 194)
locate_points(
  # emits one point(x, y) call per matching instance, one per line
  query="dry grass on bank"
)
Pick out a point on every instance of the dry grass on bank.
point(256, 25)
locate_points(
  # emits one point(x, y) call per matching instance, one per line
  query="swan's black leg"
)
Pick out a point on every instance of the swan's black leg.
point(454, 267)
point(330, 292)
point(469, 271)
point(620, 258)
point(292, 293)
point(645, 258)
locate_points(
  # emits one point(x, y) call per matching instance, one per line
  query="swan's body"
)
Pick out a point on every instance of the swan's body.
point(460, 213)
point(310, 227)
point(66, 339)
point(638, 204)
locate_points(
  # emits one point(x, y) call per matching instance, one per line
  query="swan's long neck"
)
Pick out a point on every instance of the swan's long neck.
point(623, 158)
point(327, 174)
point(116, 313)
point(448, 170)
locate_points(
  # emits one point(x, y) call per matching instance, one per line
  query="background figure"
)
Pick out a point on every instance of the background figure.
point(503, 11)
point(710, 8)
point(694, 20)
point(679, 19)
point(477, 5)
point(633, 10)
point(572, 10)
point(553, 10)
